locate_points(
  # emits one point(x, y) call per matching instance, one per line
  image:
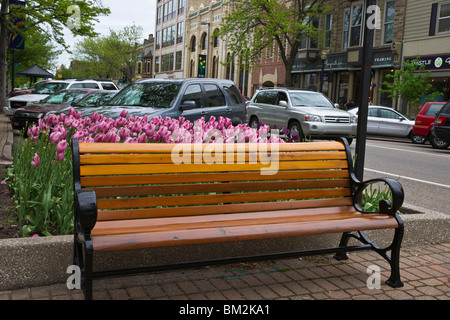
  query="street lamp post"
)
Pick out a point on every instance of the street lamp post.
point(323, 57)
point(363, 110)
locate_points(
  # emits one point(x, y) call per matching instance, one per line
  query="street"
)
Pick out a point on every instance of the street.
point(422, 170)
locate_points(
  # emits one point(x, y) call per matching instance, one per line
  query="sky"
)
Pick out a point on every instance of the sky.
point(123, 13)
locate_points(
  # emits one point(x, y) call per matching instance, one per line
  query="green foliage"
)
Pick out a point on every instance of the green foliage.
point(42, 195)
point(109, 56)
point(254, 25)
point(410, 84)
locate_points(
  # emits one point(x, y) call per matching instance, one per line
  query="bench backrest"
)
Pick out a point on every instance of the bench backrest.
point(133, 181)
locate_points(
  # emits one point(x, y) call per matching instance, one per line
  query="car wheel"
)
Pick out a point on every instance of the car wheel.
point(417, 138)
point(254, 122)
point(438, 143)
point(295, 131)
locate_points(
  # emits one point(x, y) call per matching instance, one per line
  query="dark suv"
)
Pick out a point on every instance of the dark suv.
point(190, 98)
point(441, 128)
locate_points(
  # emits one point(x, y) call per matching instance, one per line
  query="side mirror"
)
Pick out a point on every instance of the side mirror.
point(336, 105)
point(282, 103)
point(188, 105)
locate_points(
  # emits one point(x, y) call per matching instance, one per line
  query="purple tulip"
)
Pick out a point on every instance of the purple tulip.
point(124, 113)
point(59, 156)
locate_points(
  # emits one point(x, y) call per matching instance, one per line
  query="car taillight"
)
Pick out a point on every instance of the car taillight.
point(441, 120)
point(418, 120)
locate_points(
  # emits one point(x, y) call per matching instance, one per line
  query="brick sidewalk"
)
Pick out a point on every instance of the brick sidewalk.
point(425, 272)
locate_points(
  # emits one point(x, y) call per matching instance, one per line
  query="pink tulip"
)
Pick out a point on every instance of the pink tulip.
point(59, 156)
point(61, 147)
point(124, 113)
point(36, 160)
point(55, 137)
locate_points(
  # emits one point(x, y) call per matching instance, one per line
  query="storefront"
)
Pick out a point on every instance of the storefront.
point(439, 66)
point(342, 75)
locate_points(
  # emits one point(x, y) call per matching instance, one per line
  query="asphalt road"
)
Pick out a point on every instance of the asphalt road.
point(423, 171)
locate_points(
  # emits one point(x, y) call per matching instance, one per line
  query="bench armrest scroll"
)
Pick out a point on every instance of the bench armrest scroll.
point(386, 206)
point(85, 209)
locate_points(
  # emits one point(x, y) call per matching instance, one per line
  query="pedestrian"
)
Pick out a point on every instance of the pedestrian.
point(349, 105)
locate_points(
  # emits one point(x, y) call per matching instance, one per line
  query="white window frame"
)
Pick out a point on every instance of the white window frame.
point(385, 23)
point(439, 18)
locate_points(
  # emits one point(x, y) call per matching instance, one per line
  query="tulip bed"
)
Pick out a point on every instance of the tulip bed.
point(40, 179)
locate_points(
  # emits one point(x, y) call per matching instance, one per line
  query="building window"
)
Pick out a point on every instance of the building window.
point(328, 25)
point(193, 43)
point(167, 62)
point(444, 18)
point(180, 31)
point(179, 60)
point(156, 64)
point(180, 6)
point(158, 15)
point(158, 40)
point(346, 29)
point(356, 25)
point(204, 41)
point(216, 40)
point(389, 22)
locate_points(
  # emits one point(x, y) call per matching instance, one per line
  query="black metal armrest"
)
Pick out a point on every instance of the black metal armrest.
point(384, 205)
point(85, 210)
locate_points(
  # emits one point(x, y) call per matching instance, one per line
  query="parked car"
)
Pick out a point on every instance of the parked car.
point(385, 121)
point(53, 86)
point(191, 98)
point(425, 121)
point(56, 102)
point(306, 114)
point(441, 128)
point(31, 89)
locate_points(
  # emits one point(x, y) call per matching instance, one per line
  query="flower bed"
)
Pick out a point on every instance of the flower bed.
point(40, 179)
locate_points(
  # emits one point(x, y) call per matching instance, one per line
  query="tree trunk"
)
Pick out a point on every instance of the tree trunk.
point(3, 48)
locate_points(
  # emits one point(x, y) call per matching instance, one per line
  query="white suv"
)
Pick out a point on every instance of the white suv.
point(54, 86)
point(306, 114)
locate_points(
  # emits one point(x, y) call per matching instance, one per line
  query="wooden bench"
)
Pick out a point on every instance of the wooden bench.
point(132, 196)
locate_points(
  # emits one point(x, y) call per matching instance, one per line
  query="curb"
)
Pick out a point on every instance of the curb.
point(32, 262)
point(7, 148)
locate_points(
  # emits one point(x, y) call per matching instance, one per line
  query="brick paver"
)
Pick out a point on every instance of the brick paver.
point(425, 272)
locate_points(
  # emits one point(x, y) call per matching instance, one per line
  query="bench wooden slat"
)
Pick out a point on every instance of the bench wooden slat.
point(238, 233)
point(224, 158)
point(106, 215)
point(95, 170)
point(223, 220)
point(218, 187)
point(219, 198)
point(120, 180)
point(168, 148)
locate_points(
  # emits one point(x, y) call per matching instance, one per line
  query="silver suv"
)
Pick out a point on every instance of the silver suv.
point(306, 114)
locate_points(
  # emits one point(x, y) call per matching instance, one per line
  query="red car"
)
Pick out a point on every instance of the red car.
point(425, 121)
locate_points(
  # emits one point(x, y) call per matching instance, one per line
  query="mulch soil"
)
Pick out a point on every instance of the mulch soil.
point(8, 225)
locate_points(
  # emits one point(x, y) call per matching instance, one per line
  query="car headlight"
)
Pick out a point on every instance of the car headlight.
point(353, 119)
point(313, 117)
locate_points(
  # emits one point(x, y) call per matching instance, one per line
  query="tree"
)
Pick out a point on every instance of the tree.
point(252, 25)
point(111, 56)
point(410, 83)
point(51, 18)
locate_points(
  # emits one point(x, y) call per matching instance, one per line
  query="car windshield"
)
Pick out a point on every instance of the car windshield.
point(49, 88)
point(95, 99)
point(309, 99)
point(153, 94)
point(66, 97)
